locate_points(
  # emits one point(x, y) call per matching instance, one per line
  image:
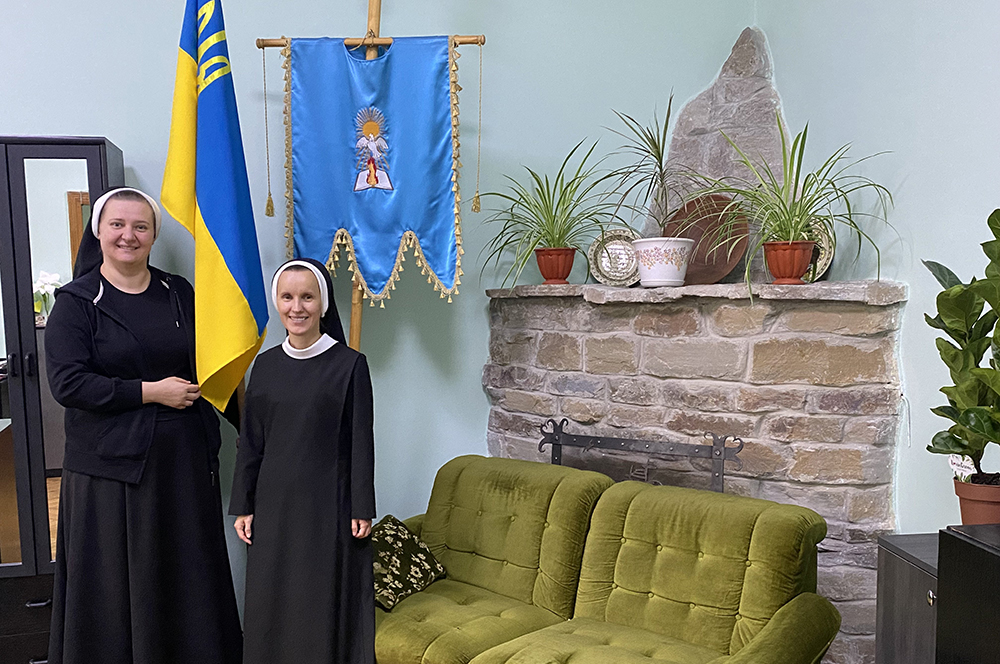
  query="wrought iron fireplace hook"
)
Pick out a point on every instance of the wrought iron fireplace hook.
point(727, 453)
point(718, 452)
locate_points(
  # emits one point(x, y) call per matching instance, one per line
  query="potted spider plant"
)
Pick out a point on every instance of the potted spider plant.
point(793, 206)
point(645, 186)
point(967, 314)
point(549, 218)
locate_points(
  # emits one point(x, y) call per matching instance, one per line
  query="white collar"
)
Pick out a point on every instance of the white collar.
point(321, 345)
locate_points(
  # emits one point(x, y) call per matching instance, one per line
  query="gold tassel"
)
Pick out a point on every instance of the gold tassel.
point(476, 207)
point(269, 206)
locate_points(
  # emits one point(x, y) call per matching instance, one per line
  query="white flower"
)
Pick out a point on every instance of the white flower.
point(47, 283)
point(45, 287)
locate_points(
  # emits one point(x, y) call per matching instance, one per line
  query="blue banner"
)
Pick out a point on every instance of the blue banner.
point(374, 157)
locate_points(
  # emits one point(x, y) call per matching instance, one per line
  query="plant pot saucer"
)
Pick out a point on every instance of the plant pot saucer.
point(702, 220)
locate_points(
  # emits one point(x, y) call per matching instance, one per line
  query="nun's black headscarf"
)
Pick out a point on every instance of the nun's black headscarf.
point(330, 321)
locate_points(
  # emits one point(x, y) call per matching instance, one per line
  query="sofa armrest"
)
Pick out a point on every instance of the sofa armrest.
point(799, 633)
point(414, 524)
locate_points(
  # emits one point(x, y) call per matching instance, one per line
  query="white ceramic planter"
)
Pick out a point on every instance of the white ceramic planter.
point(663, 261)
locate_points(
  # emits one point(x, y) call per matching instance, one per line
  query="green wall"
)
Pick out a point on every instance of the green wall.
point(917, 78)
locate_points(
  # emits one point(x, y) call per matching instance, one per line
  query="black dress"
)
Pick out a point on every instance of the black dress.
point(142, 572)
point(304, 469)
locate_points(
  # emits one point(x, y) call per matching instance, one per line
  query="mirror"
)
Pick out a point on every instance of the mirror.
point(58, 207)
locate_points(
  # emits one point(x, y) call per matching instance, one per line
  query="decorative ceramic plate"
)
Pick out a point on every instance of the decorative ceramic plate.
point(702, 220)
point(822, 254)
point(612, 259)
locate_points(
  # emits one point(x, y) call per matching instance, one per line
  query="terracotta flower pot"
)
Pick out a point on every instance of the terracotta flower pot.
point(980, 503)
point(555, 263)
point(788, 261)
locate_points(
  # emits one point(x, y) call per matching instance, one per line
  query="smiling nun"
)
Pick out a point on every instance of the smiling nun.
point(303, 489)
point(142, 574)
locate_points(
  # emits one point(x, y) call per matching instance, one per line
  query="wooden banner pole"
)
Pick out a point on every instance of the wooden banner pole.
point(460, 40)
point(357, 299)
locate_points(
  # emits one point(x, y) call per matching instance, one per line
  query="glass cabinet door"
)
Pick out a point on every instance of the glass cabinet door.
point(53, 189)
point(49, 189)
point(16, 532)
point(46, 185)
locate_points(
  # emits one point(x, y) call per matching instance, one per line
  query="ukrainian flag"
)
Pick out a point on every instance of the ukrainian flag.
point(205, 188)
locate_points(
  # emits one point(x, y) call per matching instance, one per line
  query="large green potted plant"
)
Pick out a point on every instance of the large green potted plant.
point(644, 187)
point(792, 206)
point(549, 218)
point(974, 397)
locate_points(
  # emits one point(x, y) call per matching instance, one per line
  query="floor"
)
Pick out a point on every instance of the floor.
point(52, 487)
point(10, 536)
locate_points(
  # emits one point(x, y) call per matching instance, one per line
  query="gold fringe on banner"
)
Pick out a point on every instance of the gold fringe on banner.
point(286, 64)
point(409, 241)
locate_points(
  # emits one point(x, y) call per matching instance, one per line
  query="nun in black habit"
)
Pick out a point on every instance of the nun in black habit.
point(142, 574)
point(303, 489)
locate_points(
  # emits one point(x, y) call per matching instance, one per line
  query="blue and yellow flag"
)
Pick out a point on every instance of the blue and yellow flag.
point(205, 188)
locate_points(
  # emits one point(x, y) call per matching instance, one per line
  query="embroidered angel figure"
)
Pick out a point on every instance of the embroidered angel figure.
point(371, 148)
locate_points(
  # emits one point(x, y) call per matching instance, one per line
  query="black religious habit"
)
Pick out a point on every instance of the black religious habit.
point(304, 469)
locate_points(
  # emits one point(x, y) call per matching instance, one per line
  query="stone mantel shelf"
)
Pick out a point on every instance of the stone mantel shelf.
point(872, 292)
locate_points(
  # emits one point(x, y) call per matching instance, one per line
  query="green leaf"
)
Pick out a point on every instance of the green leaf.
point(981, 421)
point(983, 326)
point(992, 250)
point(989, 290)
point(944, 276)
point(994, 223)
point(959, 307)
point(990, 377)
point(938, 324)
point(977, 349)
point(956, 359)
point(966, 393)
point(945, 442)
point(947, 412)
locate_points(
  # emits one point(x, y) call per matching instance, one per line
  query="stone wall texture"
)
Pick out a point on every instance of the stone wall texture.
point(806, 375)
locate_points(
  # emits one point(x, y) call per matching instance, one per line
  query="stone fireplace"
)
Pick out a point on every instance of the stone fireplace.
point(807, 376)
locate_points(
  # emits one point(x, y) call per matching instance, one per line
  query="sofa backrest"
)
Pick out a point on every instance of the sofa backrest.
point(516, 528)
point(707, 568)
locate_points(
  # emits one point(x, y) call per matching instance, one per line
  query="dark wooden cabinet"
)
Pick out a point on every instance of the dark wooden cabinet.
point(906, 622)
point(46, 184)
point(968, 629)
point(939, 597)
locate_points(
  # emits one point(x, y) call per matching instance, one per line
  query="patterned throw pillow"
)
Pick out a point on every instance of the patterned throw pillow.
point(403, 564)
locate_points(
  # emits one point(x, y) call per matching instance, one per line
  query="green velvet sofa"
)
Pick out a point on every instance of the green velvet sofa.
point(548, 564)
point(510, 535)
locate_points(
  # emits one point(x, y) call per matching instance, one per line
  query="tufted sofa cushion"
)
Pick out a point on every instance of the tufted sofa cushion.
point(586, 641)
point(452, 622)
point(704, 568)
point(516, 528)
